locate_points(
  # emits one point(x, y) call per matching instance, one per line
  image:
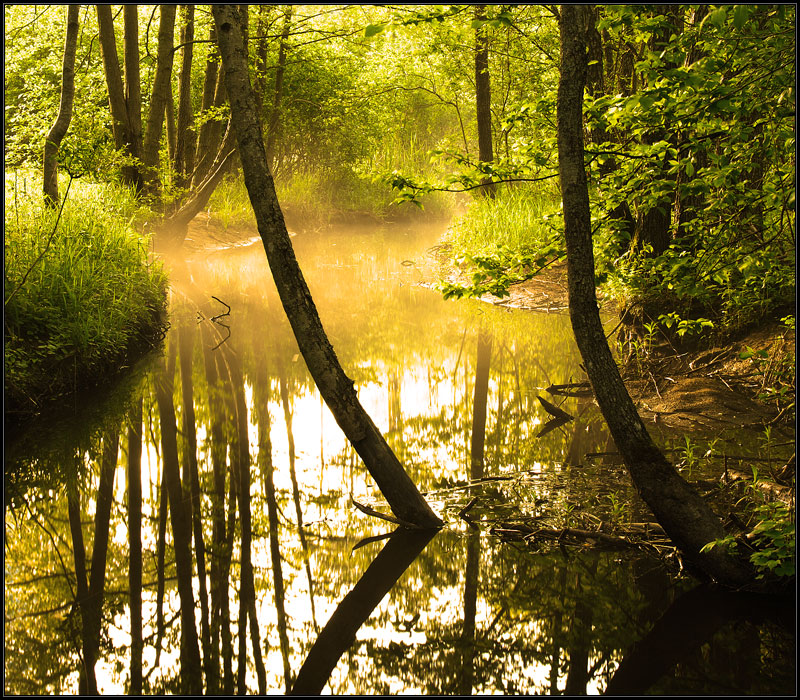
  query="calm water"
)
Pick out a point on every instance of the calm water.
point(338, 603)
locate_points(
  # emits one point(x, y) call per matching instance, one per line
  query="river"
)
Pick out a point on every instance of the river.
point(335, 602)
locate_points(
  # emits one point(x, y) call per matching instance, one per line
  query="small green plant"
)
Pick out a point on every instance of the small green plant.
point(774, 539)
point(619, 509)
point(690, 460)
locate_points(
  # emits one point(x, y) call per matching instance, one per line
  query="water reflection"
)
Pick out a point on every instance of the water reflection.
point(226, 559)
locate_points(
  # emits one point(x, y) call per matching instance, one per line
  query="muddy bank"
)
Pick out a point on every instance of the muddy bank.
point(707, 388)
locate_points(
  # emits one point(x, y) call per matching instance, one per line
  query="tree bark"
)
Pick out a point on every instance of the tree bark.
point(334, 386)
point(184, 150)
point(159, 96)
point(133, 88)
point(124, 131)
point(186, 346)
point(482, 366)
point(280, 70)
point(57, 132)
point(679, 509)
point(483, 98)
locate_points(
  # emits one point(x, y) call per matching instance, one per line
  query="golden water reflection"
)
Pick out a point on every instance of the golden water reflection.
point(257, 574)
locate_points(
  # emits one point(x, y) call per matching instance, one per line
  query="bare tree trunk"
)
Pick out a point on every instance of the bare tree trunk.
point(479, 401)
point(57, 132)
point(335, 387)
point(185, 343)
point(124, 131)
point(184, 150)
point(159, 96)
point(87, 683)
point(383, 573)
point(267, 469)
point(280, 70)
point(191, 670)
point(133, 86)
point(680, 510)
point(483, 97)
point(210, 129)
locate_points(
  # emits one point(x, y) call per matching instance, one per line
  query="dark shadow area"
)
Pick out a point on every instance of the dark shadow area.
point(690, 622)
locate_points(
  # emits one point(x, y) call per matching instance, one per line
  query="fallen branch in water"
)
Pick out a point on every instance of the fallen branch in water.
point(555, 411)
point(377, 514)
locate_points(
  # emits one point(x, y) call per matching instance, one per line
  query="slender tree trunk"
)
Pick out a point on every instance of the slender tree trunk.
point(280, 70)
point(159, 96)
point(680, 510)
point(336, 388)
point(135, 536)
point(87, 683)
point(57, 132)
point(186, 346)
point(383, 573)
point(184, 150)
point(483, 97)
point(133, 87)
point(267, 469)
point(205, 150)
point(287, 415)
point(471, 577)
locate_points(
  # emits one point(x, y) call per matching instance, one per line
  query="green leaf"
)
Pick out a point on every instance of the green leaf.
point(372, 29)
point(740, 15)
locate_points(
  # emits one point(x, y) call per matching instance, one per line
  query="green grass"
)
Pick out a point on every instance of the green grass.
point(518, 218)
point(88, 300)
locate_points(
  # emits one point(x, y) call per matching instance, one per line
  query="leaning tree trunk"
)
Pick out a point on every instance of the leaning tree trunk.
point(681, 511)
point(57, 132)
point(335, 387)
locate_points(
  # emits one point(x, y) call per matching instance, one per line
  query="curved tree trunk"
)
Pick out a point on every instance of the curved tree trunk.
point(334, 386)
point(680, 510)
point(57, 132)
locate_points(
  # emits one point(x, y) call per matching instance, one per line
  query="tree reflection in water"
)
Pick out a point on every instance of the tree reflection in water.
point(238, 537)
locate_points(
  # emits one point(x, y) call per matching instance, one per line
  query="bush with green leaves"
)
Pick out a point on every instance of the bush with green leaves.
point(81, 290)
point(714, 154)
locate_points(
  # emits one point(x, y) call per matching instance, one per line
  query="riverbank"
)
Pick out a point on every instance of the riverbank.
point(708, 387)
point(84, 297)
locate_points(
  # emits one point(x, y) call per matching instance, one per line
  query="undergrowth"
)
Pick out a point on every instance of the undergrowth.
point(81, 291)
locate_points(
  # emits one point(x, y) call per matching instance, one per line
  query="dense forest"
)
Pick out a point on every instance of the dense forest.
point(640, 156)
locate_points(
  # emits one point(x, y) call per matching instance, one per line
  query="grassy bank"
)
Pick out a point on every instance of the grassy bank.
point(82, 296)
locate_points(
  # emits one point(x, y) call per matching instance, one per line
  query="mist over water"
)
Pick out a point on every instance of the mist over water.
point(341, 604)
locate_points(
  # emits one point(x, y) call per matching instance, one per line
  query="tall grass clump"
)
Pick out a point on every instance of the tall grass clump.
point(505, 239)
point(81, 292)
point(517, 218)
